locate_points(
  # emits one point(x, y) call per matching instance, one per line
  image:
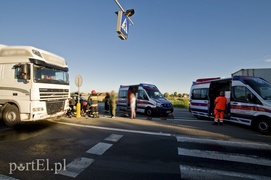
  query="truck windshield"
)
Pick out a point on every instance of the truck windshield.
point(48, 75)
point(262, 87)
point(155, 94)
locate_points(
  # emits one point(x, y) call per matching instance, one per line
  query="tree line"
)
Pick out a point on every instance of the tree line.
point(176, 95)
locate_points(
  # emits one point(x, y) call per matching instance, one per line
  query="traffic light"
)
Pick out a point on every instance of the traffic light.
point(129, 12)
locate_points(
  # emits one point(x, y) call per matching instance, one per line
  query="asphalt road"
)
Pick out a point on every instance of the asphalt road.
point(179, 147)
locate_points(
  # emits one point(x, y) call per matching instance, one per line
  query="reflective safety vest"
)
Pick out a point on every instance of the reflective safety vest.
point(94, 100)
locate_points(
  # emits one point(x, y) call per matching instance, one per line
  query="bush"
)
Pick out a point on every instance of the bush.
point(179, 102)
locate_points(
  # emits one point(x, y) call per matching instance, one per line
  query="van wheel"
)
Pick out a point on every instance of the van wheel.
point(11, 115)
point(264, 126)
point(198, 117)
point(148, 111)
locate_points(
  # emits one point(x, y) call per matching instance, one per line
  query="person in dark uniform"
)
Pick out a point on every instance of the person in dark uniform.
point(106, 103)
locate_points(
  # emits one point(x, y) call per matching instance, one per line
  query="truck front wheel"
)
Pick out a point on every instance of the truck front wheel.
point(11, 115)
point(264, 126)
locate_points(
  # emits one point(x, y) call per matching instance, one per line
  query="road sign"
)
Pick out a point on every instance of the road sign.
point(78, 80)
point(122, 26)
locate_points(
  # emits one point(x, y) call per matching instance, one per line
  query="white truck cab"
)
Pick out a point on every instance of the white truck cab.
point(34, 84)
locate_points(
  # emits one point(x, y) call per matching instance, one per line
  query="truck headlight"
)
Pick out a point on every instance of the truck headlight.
point(38, 109)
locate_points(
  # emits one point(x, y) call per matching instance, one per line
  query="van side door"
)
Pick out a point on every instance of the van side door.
point(123, 100)
point(142, 101)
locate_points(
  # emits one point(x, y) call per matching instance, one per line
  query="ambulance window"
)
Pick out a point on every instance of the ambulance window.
point(240, 93)
point(142, 95)
point(123, 94)
point(200, 94)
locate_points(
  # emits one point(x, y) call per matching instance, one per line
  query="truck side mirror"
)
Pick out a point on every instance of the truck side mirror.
point(24, 74)
point(23, 71)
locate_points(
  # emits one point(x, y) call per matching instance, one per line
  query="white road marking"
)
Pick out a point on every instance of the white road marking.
point(75, 167)
point(190, 120)
point(225, 156)
point(4, 177)
point(99, 148)
point(240, 144)
point(113, 137)
point(116, 129)
point(190, 172)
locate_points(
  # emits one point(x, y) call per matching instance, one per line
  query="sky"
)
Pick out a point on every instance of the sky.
point(171, 44)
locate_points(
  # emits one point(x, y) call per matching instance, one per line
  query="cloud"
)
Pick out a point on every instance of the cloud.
point(267, 59)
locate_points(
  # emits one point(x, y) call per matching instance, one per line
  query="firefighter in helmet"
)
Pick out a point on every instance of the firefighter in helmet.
point(93, 98)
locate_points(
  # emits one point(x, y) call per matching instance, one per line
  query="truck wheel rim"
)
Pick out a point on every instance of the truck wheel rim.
point(11, 116)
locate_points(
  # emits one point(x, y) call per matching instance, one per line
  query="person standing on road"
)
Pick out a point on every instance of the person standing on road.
point(220, 107)
point(113, 104)
point(106, 103)
point(133, 105)
point(94, 104)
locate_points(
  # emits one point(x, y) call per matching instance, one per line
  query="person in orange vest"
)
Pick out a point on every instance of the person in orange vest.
point(220, 108)
point(94, 104)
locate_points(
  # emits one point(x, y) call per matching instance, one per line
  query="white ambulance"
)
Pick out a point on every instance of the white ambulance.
point(149, 99)
point(249, 101)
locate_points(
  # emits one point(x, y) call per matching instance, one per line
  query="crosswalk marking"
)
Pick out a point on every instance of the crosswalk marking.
point(194, 172)
point(76, 167)
point(190, 172)
point(224, 143)
point(4, 177)
point(113, 137)
point(99, 148)
point(225, 156)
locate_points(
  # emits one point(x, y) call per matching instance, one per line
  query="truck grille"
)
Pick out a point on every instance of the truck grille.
point(54, 106)
point(53, 94)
